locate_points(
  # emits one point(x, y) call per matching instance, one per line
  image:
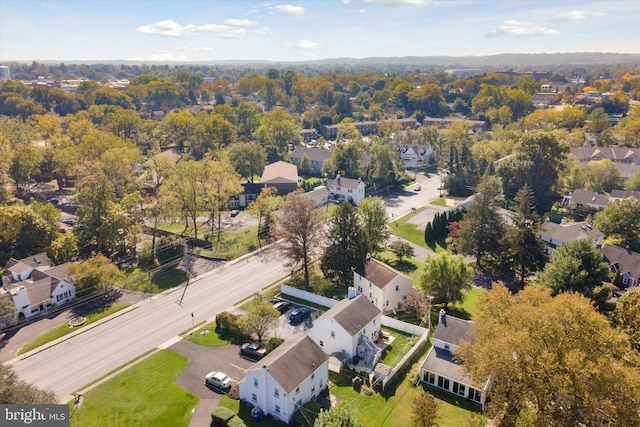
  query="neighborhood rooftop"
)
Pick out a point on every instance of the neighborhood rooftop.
point(352, 314)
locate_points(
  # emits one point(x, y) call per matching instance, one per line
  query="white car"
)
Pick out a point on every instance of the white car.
point(218, 380)
point(417, 188)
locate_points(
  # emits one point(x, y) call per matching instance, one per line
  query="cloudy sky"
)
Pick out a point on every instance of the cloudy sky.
point(209, 30)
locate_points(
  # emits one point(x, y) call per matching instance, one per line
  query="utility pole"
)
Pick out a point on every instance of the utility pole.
point(185, 268)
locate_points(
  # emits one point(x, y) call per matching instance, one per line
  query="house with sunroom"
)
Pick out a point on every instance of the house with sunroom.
point(287, 378)
point(350, 329)
point(442, 370)
point(382, 284)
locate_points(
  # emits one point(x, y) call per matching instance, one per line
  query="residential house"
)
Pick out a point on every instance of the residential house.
point(624, 194)
point(316, 156)
point(580, 199)
point(309, 135)
point(365, 128)
point(287, 378)
point(282, 175)
point(350, 328)
point(381, 284)
point(319, 195)
point(35, 286)
point(414, 155)
point(555, 235)
point(625, 263)
point(626, 160)
point(442, 370)
point(346, 189)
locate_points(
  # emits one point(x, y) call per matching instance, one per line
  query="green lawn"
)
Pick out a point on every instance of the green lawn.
point(408, 231)
point(138, 279)
point(65, 329)
point(399, 347)
point(440, 202)
point(210, 339)
point(467, 309)
point(143, 395)
point(409, 267)
point(233, 244)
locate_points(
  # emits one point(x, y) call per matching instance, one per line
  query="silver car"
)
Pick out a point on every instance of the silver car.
point(218, 380)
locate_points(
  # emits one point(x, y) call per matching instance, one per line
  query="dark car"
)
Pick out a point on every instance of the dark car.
point(299, 314)
point(282, 306)
point(235, 212)
point(253, 351)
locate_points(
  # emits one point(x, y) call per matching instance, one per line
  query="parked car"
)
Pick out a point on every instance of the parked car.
point(235, 212)
point(218, 380)
point(282, 306)
point(54, 201)
point(299, 314)
point(417, 188)
point(253, 351)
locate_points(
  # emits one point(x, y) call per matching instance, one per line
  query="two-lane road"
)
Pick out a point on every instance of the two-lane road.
point(72, 364)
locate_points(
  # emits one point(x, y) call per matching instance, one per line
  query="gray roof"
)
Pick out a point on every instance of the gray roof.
point(40, 260)
point(626, 261)
point(452, 330)
point(568, 232)
point(317, 154)
point(625, 194)
point(293, 362)
point(352, 314)
point(344, 182)
point(441, 362)
point(377, 272)
point(585, 197)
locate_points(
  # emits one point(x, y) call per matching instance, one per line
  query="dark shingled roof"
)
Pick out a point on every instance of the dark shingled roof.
point(377, 272)
point(19, 265)
point(452, 330)
point(352, 314)
point(585, 197)
point(625, 260)
point(442, 362)
point(293, 361)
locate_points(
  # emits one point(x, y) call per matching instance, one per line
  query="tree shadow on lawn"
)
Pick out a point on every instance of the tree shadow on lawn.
point(97, 304)
point(403, 266)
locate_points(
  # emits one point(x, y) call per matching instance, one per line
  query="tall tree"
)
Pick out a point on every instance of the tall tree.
point(178, 127)
point(576, 266)
point(425, 410)
point(628, 315)
point(347, 247)
point(26, 164)
point(446, 277)
point(602, 176)
point(620, 222)
point(248, 159)
point(213, 134)
point(277, 130)
point(261, 316)
point(264, 207)
point(94, 275)
point(220, 182)
point(543, 370)
point(185, 183)
point(526, 252)
point(375, 223)
point(301, 229)
point(482, 229)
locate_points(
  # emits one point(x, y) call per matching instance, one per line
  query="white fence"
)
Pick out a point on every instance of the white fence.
point(308, 296)
point(403, 326)
point(406, 357)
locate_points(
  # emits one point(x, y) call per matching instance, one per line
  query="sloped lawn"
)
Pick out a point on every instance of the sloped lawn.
point(143, 395)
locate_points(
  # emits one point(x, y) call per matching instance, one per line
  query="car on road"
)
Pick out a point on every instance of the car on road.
point(235, 212)
point(299, 314)
point(68, 222)
point(417, 188)
point(282, 306)
point(253, 351)
point(218, 380)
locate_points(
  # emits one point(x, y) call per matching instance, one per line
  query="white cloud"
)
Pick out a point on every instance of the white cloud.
point(306, 44)
point(576, 15)
point(262, 31)
point(290, 9)
point(160, 57)
point(171, 28)
point(412, 2)
point(514, 28)
point(203, 49)
point(240, 22)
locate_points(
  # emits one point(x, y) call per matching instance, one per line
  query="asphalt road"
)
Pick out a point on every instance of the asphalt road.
point(155, 322)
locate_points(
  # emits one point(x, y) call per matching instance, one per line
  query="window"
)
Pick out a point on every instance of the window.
point(458, 388)
point(625, 280)
point(255, 382)
point(277, 409)
point(446, 346)
point(321, 343)
point(276, 393)
point(254, 397)
point(359, 289)
point(333, 334)
point(313, 389)
point(313, 376)
point(387, 304)
point(397, 288)
point(431, 378)
point(297, 389)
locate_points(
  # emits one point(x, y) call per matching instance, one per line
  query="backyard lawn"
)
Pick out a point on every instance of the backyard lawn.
point(143, 395)
point(65, 329)
point(401, 344)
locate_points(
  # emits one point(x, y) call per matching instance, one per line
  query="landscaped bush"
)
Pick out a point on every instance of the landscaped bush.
point(228, 322)
point(236, 422)
point(273, 343)
point(221, 416)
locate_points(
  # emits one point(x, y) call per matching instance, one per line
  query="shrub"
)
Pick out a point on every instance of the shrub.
point(367, 391)
point(228, 322)
point(220, 416)
point(236, 421)
point(273, 343)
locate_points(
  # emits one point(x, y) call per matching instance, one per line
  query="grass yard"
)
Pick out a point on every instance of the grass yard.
point(438, 245)
point(401, 344)
point(393, 408)
point(65, 329)
point(442, 201)
point(233, 244)
point(138, 279)
point(410, 267)
point(408, 231)
point(143, 395)
point(211, 338)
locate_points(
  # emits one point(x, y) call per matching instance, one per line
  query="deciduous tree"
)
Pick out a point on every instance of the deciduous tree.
point(94, 275)
point(261, 316)
point(620, 220)
point(337, 416)
point(375, 223)
point(425, 410)
point(628, 315)
point(15, 391)
point(401, 250)
point(263, 207)
point(446, 277)
point(248, 159)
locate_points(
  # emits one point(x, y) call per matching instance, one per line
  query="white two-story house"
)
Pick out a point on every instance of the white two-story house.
point(346, 189)
point(383, 285)
point(350, 328)
point(415, 155)
point(287, 378)
point(441, 370)
point(35, 286)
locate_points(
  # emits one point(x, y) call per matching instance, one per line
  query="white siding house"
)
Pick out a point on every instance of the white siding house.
point(350, 328)
point(35, 286)
point(441, 370)
point(383, 285)
point(346, 189)
point(287, 378)
point(415, 155)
